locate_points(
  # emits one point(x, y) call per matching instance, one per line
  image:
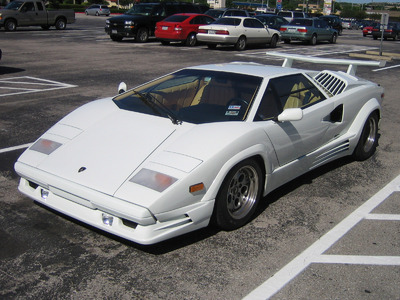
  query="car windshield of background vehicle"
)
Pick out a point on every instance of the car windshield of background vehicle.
point(140, 10)
point(302, 22)
point(194, 96)
point(15, 5)
point(228, 21)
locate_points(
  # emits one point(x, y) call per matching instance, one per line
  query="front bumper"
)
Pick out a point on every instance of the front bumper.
point(129, 221)
point(123, 31)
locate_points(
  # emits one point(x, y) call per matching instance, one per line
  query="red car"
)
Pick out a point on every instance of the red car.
point(181, 28)
point(367, 30)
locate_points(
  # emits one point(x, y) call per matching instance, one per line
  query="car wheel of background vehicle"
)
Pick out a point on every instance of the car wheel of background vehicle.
point(333, 39)
point(211, 46)
point(286, 41)
point(10, 25)
point(375, 37)
point(238, 196)
point(164, 43)
point(191, 40)
point(274, 41)
point(97, 13)
point(241, 43)
point(142, 35)
point(61, 24)
point(340, 32)
point(396, 37)
point(45, 27)
point(86, 13)
point(116, 38)
point(313, 40)
point(368, 141)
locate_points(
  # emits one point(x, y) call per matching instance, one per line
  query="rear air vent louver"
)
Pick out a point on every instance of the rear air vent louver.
point(330, 82)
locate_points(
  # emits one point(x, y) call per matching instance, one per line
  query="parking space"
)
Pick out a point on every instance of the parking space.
point(331, 234)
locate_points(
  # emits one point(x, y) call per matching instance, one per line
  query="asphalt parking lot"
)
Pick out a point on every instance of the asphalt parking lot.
point(333, 233)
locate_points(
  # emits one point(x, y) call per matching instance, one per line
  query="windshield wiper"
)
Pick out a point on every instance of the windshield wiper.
point(150, 100)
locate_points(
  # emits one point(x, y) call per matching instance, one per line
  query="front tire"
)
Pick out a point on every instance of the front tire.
point(10, 25)
point(142, 35)
point(274, 42)
point(191, 40)
point(239, 195)
point(368, 141)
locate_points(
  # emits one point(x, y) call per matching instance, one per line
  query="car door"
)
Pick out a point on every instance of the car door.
point(27, 14)
point(295, 139)
point(255, 31)
point(41, 14)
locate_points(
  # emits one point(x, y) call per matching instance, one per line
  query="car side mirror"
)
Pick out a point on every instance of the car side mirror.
point(122, 88)
point(290, 114)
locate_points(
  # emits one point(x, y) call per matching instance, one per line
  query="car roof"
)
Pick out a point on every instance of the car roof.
point(253, 69)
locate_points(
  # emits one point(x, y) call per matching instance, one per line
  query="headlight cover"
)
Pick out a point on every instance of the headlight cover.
point(153, 180)
point(45, 146)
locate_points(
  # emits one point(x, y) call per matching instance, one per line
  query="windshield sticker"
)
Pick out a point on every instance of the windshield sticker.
point(232, 113)
point(235, 107)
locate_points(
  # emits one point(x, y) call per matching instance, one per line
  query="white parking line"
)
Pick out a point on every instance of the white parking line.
point(9, 149)
point(27, 84)
point(314, 254)
point(382, 69)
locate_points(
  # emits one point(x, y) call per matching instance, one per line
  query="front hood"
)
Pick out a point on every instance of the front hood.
point(104, 155)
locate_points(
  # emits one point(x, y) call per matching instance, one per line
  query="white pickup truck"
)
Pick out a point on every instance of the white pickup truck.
point(34, 13)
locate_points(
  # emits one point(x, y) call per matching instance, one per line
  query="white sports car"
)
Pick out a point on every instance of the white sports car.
point(202, 144)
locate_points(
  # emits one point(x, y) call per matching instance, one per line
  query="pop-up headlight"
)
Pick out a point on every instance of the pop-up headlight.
point(45, 146)
point(154, 180)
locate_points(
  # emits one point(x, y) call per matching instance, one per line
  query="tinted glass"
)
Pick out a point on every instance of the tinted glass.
point(194, 96)
point(176, 18)
point(302, 22)
point(228, 21)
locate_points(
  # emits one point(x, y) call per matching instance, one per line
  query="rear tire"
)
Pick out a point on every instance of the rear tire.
point(368, 141)
point(241, 43)
point(212, 46)
point(313, 40)
point(239, 195)
point(61, 24)
point(333, 39)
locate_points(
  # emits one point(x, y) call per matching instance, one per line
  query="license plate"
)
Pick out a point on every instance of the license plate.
point(211, 32)
point(165, 28)
point(114, 31)
point(291, 30)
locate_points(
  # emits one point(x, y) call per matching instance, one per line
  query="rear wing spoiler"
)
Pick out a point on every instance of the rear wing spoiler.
point(352, 63)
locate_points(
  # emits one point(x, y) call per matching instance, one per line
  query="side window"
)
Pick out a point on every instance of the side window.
point(28, 6)
point(39, 6)
point(295, 91)
point(208, 20)
point(269, 106)
point(247, 23)
point(257, 24)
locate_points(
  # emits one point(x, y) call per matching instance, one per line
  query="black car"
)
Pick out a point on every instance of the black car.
point(272, 21)
point(140, 21)
point(334, 21)
point(391, 32)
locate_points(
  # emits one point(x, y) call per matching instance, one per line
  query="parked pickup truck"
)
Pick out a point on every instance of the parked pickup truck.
point(34, 13)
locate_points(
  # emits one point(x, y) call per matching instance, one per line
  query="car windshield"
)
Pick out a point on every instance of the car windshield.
point(176, 18)
point(140, 10)
point(194, 96)
point(228, 21)
point(15, 5)
point(302, 22)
